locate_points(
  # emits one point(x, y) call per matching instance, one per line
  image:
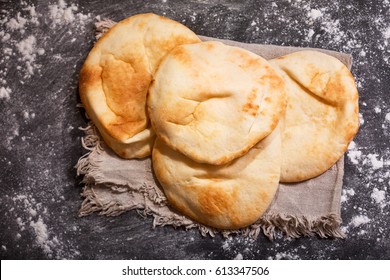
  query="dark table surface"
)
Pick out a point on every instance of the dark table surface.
point(43, 45)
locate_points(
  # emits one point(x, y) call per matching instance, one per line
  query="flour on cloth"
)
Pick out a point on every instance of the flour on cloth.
point(114, 185)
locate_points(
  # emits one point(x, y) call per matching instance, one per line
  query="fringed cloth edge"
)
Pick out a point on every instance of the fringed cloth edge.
point(291, 226)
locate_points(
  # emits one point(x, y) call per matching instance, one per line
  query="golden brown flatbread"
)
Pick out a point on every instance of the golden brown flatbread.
point(229, 196)
point(116, 75)
point(322, 114)
point(213, 102)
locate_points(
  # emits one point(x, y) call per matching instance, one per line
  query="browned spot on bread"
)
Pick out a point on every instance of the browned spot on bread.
point(209, 45)
point(89, 75)
point(217, 202)
point(120, 128)
point(265, 195)
point(271, 79)
point(249, 62)
point(182, 55)
point(250, 106)
point(122, 154)
point(336, 88)
point(125, 87)
point(177, 40)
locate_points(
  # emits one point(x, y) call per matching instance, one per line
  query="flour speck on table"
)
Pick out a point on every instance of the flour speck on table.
point(43, 46)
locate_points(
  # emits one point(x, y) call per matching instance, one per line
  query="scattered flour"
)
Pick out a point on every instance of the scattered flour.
point(17, 23)
point(23, 41)
point(33, 14)
point(356, 222)
point(379, 196)
point(387, 117)
point(225, 245)
point(61, 13)
point(34, 220)
point(28, 50)
point(315, 14)
point(310, 33)
point(346, 194)
point(4, 36)
point(352, 145)
point(42, 236)
point(20, 223)
point(359, 220)
point(7, 51)
point(362, 232)
point(284, 256)
point(27, 115)
point(354, 156)
point(5, 93)
point(374, 161)
point(361, 119)
point(386, 33)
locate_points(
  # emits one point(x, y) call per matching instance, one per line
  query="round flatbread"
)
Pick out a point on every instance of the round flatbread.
point(116, 75)
point(322, 113)
point(229, 196)
point(213, 102)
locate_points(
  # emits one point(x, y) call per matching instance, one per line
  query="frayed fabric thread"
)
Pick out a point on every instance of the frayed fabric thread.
point(154, 201)
point(295, 227)
point(102, 26)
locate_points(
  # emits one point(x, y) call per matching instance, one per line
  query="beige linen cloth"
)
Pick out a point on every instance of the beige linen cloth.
point(114, 185)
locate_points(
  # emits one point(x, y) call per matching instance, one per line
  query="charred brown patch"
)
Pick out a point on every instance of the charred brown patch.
point(250, 106)
point(182, 55)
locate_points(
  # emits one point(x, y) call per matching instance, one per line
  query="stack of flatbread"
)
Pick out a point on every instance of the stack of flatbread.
point(223, 125)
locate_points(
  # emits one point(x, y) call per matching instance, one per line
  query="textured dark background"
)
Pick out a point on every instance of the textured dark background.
point(40, 139)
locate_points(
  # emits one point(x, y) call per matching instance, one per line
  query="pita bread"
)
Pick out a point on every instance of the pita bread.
point(116, 75)
point(229, 196)
point(213, 102)
point(322, 114)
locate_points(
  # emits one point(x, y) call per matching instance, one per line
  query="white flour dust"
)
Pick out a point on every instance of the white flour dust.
point(42, 236)
point(241, 248)
point(34, 221)
point(61, 13)
point(284, 256)
point(5, 93)
point(379, 196)
point(360, 220)
point(346, 194)
point(387, 117)
point(373, 169)
point(25, 40)
point(315, 14)
point(28, 54)
point(16, 23)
